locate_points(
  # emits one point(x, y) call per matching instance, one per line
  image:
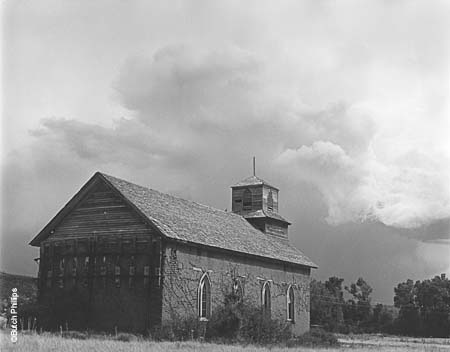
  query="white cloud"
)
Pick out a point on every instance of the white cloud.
point(349, 97)
point(190, 106)
point(409, 191)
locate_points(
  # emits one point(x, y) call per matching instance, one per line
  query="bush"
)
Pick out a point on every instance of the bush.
point(315, 338)
point(237, 321)
point(259, 328)
point(225, 321)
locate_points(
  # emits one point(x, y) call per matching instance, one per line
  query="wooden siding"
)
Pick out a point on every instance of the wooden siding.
point(259, 198)
point(112, 260)
point(266, 191)
point(275, 229)
point(101, 213)
point(270, 226)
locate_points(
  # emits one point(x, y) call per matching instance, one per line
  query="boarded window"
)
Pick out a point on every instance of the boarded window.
point(61, 267)
point(270, 201)
point(74, 266)
point(204, 298)
point(146, 275)
point(103, 267)
point(49, 278)
point(247, 199)
point(132, 272)
point(117, 272)
point(86, 271)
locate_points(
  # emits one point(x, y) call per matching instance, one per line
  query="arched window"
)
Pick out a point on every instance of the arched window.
point(270, 201)
point(265, 295)
point(238, 290)
point(290, 303)
point(204, 297)
point(247, 199)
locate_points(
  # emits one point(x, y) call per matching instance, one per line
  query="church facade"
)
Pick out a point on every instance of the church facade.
point(126, 257)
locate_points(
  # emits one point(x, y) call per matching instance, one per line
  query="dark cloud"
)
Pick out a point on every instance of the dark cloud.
point(196, 117)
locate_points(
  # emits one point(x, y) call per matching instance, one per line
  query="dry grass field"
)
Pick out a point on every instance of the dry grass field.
point(49, 343)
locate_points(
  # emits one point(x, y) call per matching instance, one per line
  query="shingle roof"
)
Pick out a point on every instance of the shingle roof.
point(252, 181)
point(184, 220)
point(261, 213)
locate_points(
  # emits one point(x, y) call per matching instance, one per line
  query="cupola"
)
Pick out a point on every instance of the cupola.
point(257, 201)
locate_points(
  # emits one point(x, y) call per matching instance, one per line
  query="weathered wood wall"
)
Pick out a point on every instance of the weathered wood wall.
point(105, 252)
point(259, 198)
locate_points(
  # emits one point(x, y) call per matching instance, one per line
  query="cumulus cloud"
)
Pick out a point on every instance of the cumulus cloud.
point(189, 106)
point(407, 192)
point(345, 107)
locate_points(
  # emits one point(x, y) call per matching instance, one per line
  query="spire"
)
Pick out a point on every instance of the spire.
point(254, 166)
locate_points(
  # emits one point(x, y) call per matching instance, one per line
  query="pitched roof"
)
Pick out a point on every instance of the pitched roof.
point(261, 213)
point(188, 221)
point(252, 181)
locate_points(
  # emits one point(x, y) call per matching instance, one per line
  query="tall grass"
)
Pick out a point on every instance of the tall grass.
point(50, 342)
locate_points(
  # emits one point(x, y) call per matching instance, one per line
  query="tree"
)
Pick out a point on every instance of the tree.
point(424, 307)
point(408, 321)
point(433, 302)
point(382, 319)
point(358, 309)
point(326, 303)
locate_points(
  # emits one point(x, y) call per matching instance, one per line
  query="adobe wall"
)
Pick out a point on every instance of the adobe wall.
point(184, 266)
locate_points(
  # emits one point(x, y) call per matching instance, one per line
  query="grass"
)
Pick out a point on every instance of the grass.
point(51, 342)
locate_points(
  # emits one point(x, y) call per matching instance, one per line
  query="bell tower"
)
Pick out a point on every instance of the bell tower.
point(257, 201)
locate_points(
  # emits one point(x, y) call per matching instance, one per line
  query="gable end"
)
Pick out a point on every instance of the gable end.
point(96, 209)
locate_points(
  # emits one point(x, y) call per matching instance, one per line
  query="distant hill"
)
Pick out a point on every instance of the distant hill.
point(26, 286)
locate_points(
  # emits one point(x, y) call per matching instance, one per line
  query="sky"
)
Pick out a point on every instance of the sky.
point(345, 106)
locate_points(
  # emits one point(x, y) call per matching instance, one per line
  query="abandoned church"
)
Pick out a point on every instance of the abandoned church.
point(126, 257)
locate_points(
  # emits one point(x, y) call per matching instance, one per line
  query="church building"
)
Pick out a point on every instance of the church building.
point(119, 256)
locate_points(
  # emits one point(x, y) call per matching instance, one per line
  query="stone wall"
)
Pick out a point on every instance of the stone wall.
point(184, 265)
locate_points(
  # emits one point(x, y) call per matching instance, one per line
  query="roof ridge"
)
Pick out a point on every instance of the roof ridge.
point(173, 196)
point(247, 182)
point(270, 247)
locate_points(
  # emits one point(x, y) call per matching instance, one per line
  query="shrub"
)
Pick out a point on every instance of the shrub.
point(225, 321)
point(259, 328)
point(239, 321)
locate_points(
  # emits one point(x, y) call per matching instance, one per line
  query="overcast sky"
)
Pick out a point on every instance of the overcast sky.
point(345, 105)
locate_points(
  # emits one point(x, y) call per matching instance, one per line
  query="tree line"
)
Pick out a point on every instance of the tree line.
point(421, 308)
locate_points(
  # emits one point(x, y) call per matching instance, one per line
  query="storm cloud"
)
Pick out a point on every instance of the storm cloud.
point(344, 106)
